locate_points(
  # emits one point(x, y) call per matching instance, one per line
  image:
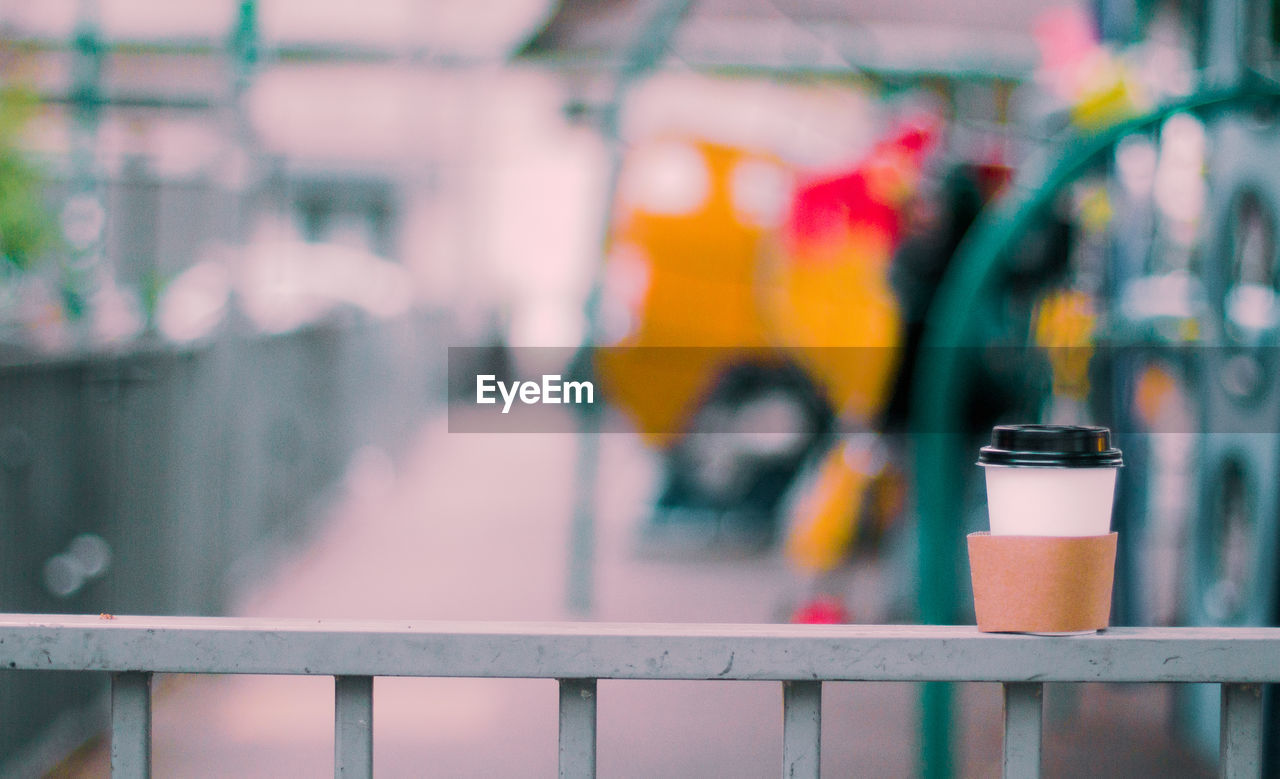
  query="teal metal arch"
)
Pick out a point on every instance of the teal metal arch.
point(940, 456)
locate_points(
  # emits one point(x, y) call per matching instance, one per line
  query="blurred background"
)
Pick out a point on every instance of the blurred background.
point(254, 254)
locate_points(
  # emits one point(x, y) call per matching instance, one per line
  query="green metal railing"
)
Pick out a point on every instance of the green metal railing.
point(942, 458)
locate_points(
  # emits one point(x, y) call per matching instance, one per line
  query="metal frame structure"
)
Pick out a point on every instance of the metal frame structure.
point(942, 451)
point(132, 649)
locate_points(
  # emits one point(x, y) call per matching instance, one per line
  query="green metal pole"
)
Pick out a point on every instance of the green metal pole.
point(243, 48)
point(83, 215)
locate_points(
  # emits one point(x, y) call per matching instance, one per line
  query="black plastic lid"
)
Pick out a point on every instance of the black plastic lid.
point(1051, 446)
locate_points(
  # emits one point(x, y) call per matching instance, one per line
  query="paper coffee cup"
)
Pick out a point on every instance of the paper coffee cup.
point(1047, 565)
point(1050, 480)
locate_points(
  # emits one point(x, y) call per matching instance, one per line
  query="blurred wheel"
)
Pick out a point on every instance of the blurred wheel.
point(744, 447)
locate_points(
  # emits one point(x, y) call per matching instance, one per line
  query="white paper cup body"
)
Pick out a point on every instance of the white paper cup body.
point(1049, 501)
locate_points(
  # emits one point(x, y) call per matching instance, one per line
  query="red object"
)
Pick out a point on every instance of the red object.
point(992, 179)
point(822, 610)
point(869, 196)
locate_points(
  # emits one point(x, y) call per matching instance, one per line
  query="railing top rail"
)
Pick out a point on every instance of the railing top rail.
point(632, 651)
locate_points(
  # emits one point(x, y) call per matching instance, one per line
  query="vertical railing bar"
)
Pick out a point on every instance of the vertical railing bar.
point(1023, 711)
point(801, 729)
point(1241, 731)
point(353, 726)
point(577, 728)
point(131, 725)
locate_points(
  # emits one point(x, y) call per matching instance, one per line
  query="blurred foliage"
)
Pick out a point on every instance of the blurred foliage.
point(26, 226)
point(151, 286)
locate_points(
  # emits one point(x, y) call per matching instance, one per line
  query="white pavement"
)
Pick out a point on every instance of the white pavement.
point(470, 526)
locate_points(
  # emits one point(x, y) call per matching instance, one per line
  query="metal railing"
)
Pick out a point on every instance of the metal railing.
point(131, 649)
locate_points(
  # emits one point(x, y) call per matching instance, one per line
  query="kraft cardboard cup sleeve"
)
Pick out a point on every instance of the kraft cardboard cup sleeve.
point(1044, 585)
point(1050, 480)
point(1047, 565)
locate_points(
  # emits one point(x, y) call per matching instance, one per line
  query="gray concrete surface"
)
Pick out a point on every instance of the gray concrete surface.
point(475, 527)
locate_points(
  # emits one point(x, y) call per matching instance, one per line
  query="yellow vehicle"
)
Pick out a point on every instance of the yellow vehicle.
point(750, 315)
